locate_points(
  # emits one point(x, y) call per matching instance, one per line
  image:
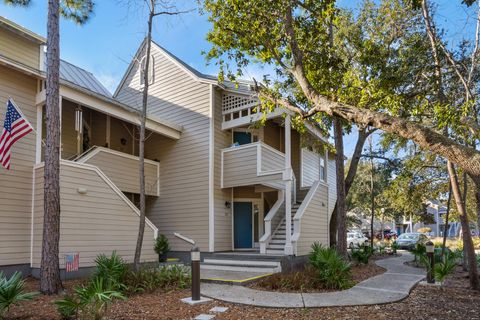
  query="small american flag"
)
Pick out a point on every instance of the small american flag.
point(15, 127)
point(72, 262)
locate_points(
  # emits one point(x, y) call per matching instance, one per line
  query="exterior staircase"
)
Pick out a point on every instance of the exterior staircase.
point(277, 243)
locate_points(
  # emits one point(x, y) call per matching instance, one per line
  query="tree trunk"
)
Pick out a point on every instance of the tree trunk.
point(141, 151)
point(445, 228)
point(372, 195)
point(50, 281)
point(468, 243)
point(341, 203)
point(477, 202)
point(464, 199)
point(352, 171)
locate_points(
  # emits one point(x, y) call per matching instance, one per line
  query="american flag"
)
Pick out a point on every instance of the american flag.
point(15, 127)
point(72, 262)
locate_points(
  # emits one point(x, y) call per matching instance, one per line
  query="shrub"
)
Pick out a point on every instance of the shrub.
point(166, 277)
point(445, 267)
point(111, 269)
point(161, 247)
point(394, 247)
point(424, 230)
point(89, 301)
point(332, 271)
point(418, 251)
point(12, 291)
point(362, 255)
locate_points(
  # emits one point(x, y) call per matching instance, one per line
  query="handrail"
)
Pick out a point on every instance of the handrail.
point(114, 152)
point(294, 187)
point(80, 155)
point(110, 184)
point(268, 221)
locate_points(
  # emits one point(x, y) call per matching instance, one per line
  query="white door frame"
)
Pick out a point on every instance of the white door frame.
point(254, 201)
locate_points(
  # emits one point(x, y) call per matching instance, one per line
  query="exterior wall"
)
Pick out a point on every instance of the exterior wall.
point(118, 131)
point(19, 49)
point(247, 192)
point(69, 135)
point(223, 216)
point(314, 222)
point(16, 183)
point(310, 167)
point(92, 223)
point(176, 97)
point(332, 184)
point(123, 171)
point(272, 135)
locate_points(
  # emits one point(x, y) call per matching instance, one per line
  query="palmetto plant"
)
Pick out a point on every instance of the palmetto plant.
point(12, 291)
point(332, 270)
point(112, 269)
point(446, 267)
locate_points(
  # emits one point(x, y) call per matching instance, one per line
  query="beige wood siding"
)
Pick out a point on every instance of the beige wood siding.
point(176, 97)
point(272, 135)
point(16, 183)
point(223, 216)
point(332, 184)
point(240, 167)
point(69, 134)
point(122, 169)
point(310, 167)
point(314, 222)
point(19, 49)
point(271, 160)
point(99, 221)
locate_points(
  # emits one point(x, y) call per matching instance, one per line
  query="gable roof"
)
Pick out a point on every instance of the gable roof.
point(22, 31)
point(241, 85)
point(82, 78)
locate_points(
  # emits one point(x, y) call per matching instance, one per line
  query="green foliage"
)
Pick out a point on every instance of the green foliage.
point(12, 291)
point(394, 246)
point(161, 245)
point(88, 302)
point(165, 277)
point(362, 254)
point(332, 270)
point(445, 267)
point(78, 11)
point(418, 251)
point(111, 269)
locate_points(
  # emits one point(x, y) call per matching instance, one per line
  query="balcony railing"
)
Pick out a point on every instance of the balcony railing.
point(250, 164)
point(122, 169)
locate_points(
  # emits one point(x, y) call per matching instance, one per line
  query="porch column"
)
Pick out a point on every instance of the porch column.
point(38, 138)
point(287, 177)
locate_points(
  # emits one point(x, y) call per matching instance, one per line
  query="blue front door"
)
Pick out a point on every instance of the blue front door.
point(242, 224)
point(242, 137)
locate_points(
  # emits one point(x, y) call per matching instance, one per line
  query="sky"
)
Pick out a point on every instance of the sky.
point(106, 44)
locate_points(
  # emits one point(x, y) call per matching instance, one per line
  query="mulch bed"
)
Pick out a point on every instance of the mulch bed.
point(306, 281)
point(453, 301)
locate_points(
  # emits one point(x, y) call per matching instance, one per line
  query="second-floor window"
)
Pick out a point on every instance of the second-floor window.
point(322, 169)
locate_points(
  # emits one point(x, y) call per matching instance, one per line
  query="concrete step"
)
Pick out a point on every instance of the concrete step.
point(263, 269)
point(247, 263)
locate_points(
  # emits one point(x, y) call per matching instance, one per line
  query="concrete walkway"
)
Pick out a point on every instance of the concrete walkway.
point(393, 285)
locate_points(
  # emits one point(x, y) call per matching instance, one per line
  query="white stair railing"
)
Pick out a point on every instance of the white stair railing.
point(272, 220)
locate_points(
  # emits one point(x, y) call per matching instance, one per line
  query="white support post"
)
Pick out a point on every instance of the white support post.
point(38, 138)
point(107, 134)
point(287, 177)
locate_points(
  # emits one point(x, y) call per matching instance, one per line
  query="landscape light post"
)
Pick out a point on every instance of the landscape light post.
point(195, 265)
point(430, 248)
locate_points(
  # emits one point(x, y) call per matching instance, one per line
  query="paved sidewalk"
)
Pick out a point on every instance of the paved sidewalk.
point(393, 285)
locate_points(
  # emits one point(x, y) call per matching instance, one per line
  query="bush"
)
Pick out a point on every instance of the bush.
point(362, 255)
point(12, 291)
point(445, 267)
point(166, 278)
point(418, 251)
point(424, 230)
point(161, 247)
point(332, 271)
point(112, 270)
point(89, 301)
point(394, 247)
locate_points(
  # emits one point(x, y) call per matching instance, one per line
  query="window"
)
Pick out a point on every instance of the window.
point(322, 169)
point(151, 70)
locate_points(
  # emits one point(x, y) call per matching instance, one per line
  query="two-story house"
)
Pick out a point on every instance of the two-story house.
point(213, 173)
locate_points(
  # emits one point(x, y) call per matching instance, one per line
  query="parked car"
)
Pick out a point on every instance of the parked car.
point(410, 240)
point(355, 239)
point(387, 235)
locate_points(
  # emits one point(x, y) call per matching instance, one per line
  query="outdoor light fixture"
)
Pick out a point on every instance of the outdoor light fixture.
point(430, 247)
point(82, 190)
point(228, 204)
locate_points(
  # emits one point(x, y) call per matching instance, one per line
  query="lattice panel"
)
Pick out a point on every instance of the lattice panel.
point(232, 103)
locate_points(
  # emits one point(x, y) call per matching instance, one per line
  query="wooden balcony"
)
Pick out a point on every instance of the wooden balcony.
point(252, 164)
point(122, 169)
